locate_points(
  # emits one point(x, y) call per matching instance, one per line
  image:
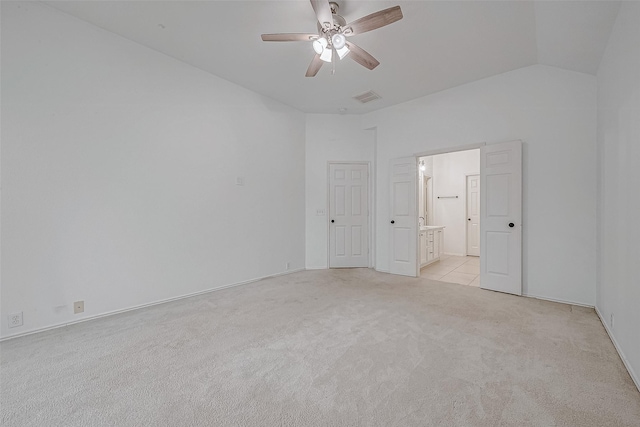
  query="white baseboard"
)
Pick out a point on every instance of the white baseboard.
point(558, 300)
point(328, 268)
point(137, 307)
point(632, 374)
point(381, 271)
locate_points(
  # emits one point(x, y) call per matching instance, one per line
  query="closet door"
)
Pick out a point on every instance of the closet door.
point(348, 215)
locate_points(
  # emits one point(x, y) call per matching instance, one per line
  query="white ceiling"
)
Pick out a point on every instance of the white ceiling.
point(437, 45)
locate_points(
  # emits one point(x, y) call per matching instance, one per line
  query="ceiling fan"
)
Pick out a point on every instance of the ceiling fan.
point(331, 41)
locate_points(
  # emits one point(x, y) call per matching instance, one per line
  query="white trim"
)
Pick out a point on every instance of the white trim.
point(632, 374)
point(417, 211)
point(137, 307)
point(371, 213)
point(451, 149)
point(373, 173)
point(466, 211)
point(561, 301)
point(317, 268)
point(383, 271)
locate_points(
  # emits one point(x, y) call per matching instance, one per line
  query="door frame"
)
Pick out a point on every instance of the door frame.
point(370, 221)
point(446, 150)
point(466, 210)
point(426, 178)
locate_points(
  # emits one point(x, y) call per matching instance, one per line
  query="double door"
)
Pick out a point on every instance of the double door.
point(500, 217)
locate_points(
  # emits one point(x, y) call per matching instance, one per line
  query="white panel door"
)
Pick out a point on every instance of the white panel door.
point(348, 215)
point(473, 215)
point(403, 221)
point(501, 217)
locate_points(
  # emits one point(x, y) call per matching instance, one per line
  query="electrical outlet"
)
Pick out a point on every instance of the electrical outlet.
point(78, 307)
point(287, 265)
point(15, 320)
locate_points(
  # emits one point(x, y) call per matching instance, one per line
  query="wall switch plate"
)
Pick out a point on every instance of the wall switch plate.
point(320, 212)
point(239, 180)
point(78, 307)
point(15, 320)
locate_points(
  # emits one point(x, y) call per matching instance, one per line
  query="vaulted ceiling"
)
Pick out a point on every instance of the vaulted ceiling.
point(436, 46)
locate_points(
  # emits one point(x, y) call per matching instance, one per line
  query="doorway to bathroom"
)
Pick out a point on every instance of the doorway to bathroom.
point(449, 217)
point(500, 217)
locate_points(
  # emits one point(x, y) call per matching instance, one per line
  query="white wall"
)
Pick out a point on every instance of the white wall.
point(618, 290)
point(554, 112)
point(328, 138)
point(119, 167)
point(450, 172)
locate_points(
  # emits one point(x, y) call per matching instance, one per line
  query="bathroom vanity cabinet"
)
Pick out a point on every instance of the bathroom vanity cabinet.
point(431, 244)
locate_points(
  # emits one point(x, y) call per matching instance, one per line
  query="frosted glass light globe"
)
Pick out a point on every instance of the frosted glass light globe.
point(319, 45)
point(338, 40)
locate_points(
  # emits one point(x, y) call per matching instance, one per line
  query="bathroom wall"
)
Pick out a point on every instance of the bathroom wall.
point(450, 172)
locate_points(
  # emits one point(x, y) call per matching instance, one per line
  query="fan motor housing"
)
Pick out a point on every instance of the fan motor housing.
point(338, 21)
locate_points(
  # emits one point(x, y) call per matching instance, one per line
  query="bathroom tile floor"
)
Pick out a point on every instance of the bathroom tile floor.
point(464, 270)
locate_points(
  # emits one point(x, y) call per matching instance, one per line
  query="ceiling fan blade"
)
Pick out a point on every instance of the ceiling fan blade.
point(289, 37)
point(361, 56)
point(323, 12)
point(374, 21)
point(314, 67)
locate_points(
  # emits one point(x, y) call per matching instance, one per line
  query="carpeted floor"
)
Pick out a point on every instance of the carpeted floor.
point(325, 348)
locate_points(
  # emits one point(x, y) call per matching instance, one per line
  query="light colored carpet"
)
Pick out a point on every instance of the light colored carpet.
point(325, 348)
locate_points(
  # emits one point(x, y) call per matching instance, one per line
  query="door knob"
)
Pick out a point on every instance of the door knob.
point(332, 221)
point(511, 224)
point(393, 222)
point(468, 219)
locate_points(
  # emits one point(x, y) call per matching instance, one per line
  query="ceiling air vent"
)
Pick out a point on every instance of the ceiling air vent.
point(367, 97)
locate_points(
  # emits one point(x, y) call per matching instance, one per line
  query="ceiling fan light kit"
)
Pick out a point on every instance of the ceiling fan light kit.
point(338, 40)
point(319, 45)
point(333, 32)
point(342, 52)
point(326, 55)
